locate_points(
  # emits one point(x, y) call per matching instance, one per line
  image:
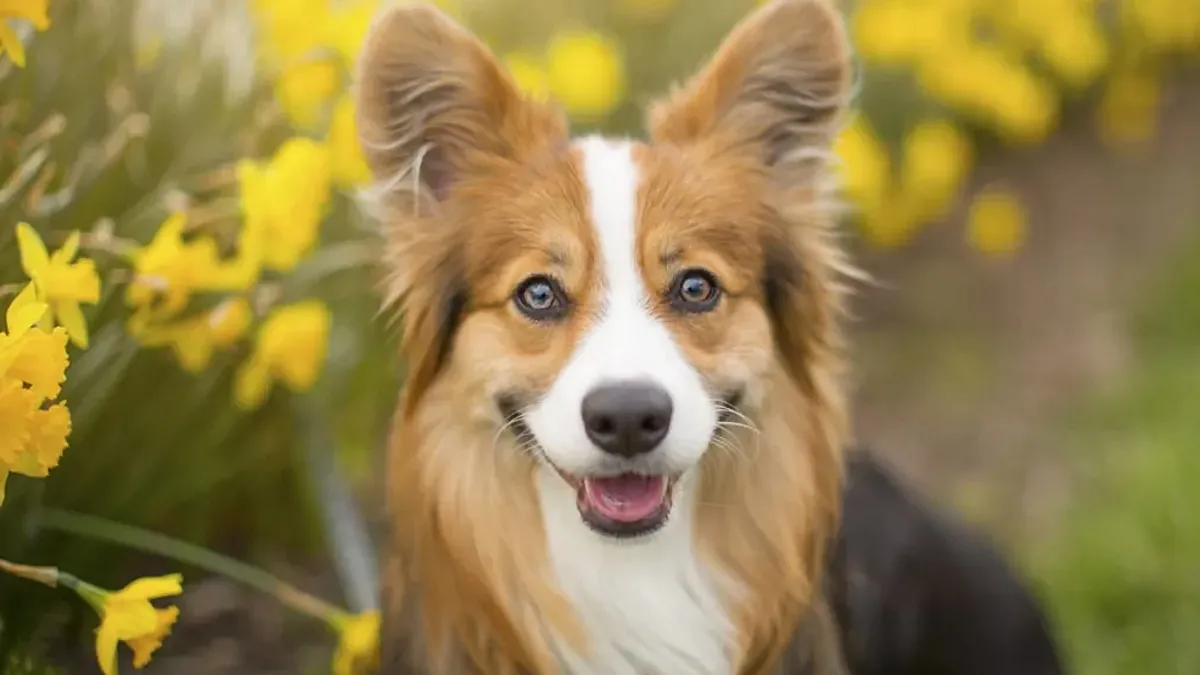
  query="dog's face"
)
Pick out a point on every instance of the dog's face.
point(659, 324)
point(608, 304)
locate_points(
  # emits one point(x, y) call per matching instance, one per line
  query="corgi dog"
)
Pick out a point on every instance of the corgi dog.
point(619, 446)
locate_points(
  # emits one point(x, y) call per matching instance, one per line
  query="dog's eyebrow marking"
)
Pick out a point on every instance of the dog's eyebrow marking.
point(670, 256)
point(557, 256)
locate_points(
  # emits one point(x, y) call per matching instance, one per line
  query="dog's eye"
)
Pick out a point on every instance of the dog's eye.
point(694, 291)
point(540, 298)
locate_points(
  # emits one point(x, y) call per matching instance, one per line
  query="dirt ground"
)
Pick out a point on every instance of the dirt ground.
point(962, 362)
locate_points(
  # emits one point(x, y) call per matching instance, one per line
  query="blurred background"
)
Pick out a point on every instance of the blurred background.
point(1024, 184)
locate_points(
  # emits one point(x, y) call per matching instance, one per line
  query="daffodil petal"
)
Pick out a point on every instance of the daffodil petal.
point(17, 405)
point(148, 588)
point(193, 348)
point(67, 252)
point(144, 646)
point(34, 258)
point(9, 42)
point(71, 317)
point(106, 649)
point(34, 11)
point(25, 311)
point(41, 362)
point(253, 383)
point(3, 481)
point(127, 617)
point(48, 438)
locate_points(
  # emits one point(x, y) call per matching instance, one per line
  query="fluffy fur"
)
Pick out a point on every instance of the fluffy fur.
point(490, 568)
point(916, 592)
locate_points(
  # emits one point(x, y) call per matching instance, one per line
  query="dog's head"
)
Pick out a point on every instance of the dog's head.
point(602, 311)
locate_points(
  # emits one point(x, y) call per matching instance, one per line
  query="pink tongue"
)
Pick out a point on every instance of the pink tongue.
point(626, 499)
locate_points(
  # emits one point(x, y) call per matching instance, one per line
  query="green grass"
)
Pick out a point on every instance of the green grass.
point(1123, 576)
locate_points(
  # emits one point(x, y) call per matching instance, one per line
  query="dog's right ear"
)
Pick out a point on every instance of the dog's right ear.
point(436, 112)
point(434, 105)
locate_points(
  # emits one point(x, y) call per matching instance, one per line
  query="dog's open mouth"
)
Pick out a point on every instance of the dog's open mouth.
point(628, 505)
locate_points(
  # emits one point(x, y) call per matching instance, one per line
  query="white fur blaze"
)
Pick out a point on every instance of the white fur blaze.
point(649, 606)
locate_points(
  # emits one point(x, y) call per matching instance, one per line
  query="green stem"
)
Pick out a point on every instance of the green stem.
point(190, 554)
point(92, 595)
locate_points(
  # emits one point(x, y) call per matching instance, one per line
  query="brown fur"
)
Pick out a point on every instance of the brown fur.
point(481, 189)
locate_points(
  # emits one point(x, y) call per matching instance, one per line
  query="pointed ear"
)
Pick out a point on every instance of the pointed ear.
point(776, 87)
point(434, 105)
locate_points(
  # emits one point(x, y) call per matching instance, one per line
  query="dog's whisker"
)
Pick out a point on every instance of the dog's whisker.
point(737, 425)
point(745, 422)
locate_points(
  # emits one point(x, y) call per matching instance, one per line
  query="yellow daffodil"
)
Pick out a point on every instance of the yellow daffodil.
point(899, 31)
point(284, 201)
point(358, 644)
point(40, 433)
point(994, 87)
point(33, 11)
point(349, 25)
point(195, 339)
point(169, 270)
point(41, 362)
point(937, 158)
point(144, 646)
point(128, 616)
point(287, 30)
point(23, 313)
point(996, 222)
point(586, 73)
point(60, 281)
point(291, 37)
point(347, 163)
point(49, 429)
point(290, 347)
point(1166, 25)
point(33, 365)
point(529, 73)
point(864, 169)
point(1076, 48)
point(17, 405)
point(304, 88)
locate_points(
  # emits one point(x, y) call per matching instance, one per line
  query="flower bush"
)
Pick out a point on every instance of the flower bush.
point(159, 215)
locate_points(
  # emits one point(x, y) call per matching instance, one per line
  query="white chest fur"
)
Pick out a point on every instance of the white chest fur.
point(648, 605)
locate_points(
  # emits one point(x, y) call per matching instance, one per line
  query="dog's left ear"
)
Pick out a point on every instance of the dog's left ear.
point(776, 88)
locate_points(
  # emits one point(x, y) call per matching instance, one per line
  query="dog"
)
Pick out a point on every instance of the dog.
point(915, 591)
point(619, 447)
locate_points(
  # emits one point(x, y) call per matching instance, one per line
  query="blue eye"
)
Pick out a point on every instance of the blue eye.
point(694, 290)
point(540, 298)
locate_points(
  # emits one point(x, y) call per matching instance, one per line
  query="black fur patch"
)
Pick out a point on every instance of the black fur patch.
point(781, 276)
point(917, 592)
point(453, 307)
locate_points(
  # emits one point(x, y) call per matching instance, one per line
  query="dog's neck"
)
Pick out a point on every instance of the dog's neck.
point(647, 605)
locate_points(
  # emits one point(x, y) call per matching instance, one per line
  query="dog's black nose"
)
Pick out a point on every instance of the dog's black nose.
point(627, 418)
